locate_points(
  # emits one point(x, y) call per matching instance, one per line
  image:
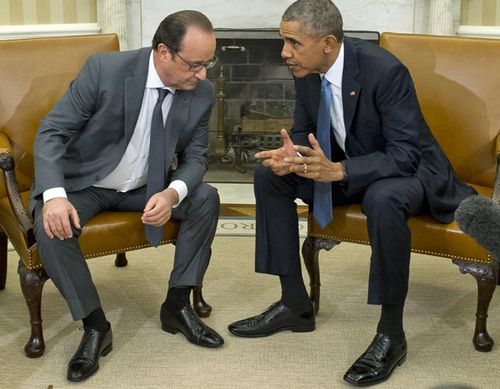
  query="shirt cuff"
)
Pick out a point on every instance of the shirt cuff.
point(52, 193)
point(181, 188)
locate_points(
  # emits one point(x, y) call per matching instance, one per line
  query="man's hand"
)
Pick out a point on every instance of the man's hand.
point(275, 159)
point(314, 164)
point(158, 209)
point(58, 215)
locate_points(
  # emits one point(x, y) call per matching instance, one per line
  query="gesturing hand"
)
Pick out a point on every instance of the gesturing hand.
point(313, 163)
point(275, 159)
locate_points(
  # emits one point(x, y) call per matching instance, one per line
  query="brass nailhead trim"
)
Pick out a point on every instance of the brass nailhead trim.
point(436, 254)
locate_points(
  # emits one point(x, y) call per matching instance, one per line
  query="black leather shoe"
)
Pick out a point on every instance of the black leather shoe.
point(377, 362)
point(187, 321)
point(85, 362)
point(277, 317)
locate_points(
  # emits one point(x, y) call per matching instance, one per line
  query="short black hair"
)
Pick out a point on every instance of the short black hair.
point(318, 17)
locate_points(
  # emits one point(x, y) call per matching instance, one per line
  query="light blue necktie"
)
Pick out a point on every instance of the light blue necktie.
point(156, 180)
point(322, 203)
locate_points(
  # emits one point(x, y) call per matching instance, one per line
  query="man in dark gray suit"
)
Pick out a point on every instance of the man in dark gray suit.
point(91, 154)
point(375, 149)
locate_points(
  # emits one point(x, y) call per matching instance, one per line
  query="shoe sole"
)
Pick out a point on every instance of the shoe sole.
point(304, 328)
point(172, 330)
point(398, 363)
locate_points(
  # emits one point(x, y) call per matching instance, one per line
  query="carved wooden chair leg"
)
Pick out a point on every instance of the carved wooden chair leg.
point(202, 308)
point(3, 259)
point(32, 284)
point(310, 254)
point(121, 260)
point(486, 277)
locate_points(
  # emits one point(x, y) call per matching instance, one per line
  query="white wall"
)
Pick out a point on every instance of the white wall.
point(378, 15)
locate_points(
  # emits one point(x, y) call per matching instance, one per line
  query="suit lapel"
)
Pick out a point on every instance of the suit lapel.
point(350, 86)
point(134, 91)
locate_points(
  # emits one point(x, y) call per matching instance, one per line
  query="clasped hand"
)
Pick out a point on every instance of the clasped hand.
point(158, 209)
point(307, 162)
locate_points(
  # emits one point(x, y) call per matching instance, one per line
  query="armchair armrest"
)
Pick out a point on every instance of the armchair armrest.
point(7, 164)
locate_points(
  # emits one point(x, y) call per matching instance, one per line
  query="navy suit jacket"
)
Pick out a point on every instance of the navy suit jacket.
point(386, 134)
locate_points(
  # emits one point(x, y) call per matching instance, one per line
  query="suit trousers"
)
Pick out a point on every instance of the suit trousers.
point(387, 203)
point(66, 266)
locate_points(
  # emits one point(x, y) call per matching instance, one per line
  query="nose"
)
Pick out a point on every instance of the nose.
point(201, 74)
point(286, 52)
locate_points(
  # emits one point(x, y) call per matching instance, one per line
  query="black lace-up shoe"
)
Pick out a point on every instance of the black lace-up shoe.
point(377, 362)
point(278, 317)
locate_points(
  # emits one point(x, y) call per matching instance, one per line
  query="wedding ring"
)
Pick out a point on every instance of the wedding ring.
point(305, 168)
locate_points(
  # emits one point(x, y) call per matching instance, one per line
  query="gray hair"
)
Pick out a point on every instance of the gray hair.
point(319, 17)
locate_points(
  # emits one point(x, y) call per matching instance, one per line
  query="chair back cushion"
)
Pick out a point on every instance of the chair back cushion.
point(34, 74)
point(457, 81)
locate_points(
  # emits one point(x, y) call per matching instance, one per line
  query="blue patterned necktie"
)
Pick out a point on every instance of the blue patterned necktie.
point(156, 164)
point(322, 203)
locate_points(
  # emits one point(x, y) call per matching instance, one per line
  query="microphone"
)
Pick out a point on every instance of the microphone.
point(479, 217)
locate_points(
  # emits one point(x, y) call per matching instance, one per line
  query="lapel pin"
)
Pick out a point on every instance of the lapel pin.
point(352, 93)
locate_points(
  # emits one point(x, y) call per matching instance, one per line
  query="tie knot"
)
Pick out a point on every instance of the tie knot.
point(162, 93)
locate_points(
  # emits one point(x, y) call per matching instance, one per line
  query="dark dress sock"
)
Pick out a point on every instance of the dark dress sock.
point(293, 294)
point(177, 298)
point(96, 320)
point(391, 322)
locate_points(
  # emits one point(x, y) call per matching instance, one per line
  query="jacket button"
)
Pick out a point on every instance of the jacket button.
point(98, 178)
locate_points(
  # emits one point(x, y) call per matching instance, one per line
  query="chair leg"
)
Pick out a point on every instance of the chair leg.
point(121, 260)
point(32, 284)
point(3, 259)
point(200, 305)
point(486, 277)
point(310, 254)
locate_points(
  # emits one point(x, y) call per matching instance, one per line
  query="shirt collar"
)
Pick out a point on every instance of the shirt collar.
point(153, 80)
point(334, 74)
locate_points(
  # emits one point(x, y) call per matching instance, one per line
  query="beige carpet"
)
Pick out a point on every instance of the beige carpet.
point(439, 325)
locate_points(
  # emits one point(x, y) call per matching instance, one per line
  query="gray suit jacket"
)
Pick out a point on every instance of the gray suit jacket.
point(85, 135)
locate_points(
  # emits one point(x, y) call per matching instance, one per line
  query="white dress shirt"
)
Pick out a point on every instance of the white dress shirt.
point(334, 75)
point(131, 172)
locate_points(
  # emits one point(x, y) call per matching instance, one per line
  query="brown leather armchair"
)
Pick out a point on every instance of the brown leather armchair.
point(458, 85)
point(34, 74)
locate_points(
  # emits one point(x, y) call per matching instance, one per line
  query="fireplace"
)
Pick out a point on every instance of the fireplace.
point(255, 99)
point(255, 95)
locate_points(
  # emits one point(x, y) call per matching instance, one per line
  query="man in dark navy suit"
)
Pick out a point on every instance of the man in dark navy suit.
point(377, 150)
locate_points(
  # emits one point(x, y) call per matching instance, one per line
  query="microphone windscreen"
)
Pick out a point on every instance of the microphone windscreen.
point(479, 217)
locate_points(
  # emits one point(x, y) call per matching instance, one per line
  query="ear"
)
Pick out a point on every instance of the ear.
point(163, 51)
point(330, 44)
